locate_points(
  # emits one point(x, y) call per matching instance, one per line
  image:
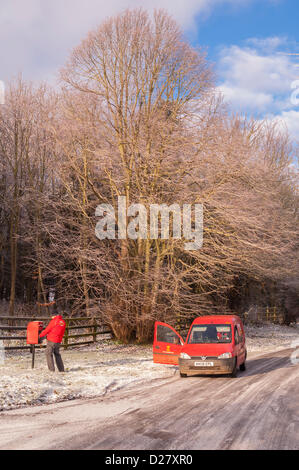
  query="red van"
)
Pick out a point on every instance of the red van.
point(215, 344)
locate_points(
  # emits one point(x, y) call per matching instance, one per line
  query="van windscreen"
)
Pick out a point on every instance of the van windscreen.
point(210, 334)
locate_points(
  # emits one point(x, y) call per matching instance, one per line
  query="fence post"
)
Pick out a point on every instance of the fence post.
point(66, 334)
point(95, 326)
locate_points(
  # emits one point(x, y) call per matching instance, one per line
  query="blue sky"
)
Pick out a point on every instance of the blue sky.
point(247, 40)
point(229, 24)
point(249, 43)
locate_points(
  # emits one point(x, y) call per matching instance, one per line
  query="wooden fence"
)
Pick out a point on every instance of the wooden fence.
point(267, 314)
point(92, 326)
point(260, 315)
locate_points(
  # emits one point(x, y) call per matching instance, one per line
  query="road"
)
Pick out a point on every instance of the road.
point(257, 410)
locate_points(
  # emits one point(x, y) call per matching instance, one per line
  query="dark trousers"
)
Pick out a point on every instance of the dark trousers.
point(53, 348)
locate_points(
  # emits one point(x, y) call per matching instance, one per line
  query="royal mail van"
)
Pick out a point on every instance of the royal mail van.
point(215, 344)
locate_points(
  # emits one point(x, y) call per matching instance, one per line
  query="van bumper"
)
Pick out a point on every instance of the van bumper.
point(220, 366)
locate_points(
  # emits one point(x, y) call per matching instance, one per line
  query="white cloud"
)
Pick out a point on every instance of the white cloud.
point(290, 120)
point(244, 99)
point(256, 81)
point(268, 44)
point(286, 121)
point(37, 35)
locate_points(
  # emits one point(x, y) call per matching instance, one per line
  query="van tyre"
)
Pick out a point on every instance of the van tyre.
point(243, 366)
point(183, 375)
point(234, 371)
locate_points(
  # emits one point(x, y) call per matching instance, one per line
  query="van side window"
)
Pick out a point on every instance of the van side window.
point(237, 339)
point(240, 332)
point(166, 335)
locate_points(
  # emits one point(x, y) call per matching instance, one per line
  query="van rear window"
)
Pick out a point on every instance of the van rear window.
point(210, 334)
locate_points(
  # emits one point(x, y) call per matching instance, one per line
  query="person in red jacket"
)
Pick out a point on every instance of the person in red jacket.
point(54, 333)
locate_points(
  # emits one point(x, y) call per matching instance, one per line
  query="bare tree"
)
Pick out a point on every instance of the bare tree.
point(25, 153)
point(138, 117)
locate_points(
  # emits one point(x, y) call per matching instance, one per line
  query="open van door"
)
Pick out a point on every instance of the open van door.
point(167, 344)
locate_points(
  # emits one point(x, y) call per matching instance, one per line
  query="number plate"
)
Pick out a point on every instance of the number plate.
point(204, 364)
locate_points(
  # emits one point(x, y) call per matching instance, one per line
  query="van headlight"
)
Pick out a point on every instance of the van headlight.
point(185, 356)
point(227, 355)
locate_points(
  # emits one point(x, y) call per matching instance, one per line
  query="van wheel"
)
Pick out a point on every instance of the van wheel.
point(234, 371)
point(243, 366)
point(183, 375)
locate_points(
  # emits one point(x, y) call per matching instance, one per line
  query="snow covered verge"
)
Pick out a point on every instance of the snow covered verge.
point(90, 371)
point(95, 370)
point(269, 337)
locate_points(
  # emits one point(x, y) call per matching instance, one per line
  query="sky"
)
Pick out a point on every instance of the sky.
point(248, 42)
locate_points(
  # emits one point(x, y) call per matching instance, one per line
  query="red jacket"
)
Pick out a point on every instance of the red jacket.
point(55, 330)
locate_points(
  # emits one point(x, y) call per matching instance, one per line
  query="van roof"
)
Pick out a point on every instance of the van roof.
point(217, 319)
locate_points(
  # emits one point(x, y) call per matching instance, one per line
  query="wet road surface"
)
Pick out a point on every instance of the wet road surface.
point(257, 410)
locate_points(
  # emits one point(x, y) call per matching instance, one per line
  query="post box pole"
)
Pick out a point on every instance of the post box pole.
point(33, 355)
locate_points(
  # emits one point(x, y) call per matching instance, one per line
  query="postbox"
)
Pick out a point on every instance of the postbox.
point(33, 330)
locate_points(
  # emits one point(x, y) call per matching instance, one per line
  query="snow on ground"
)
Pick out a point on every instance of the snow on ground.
point(102, 367)
point(269, 337)
point(89, 372)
